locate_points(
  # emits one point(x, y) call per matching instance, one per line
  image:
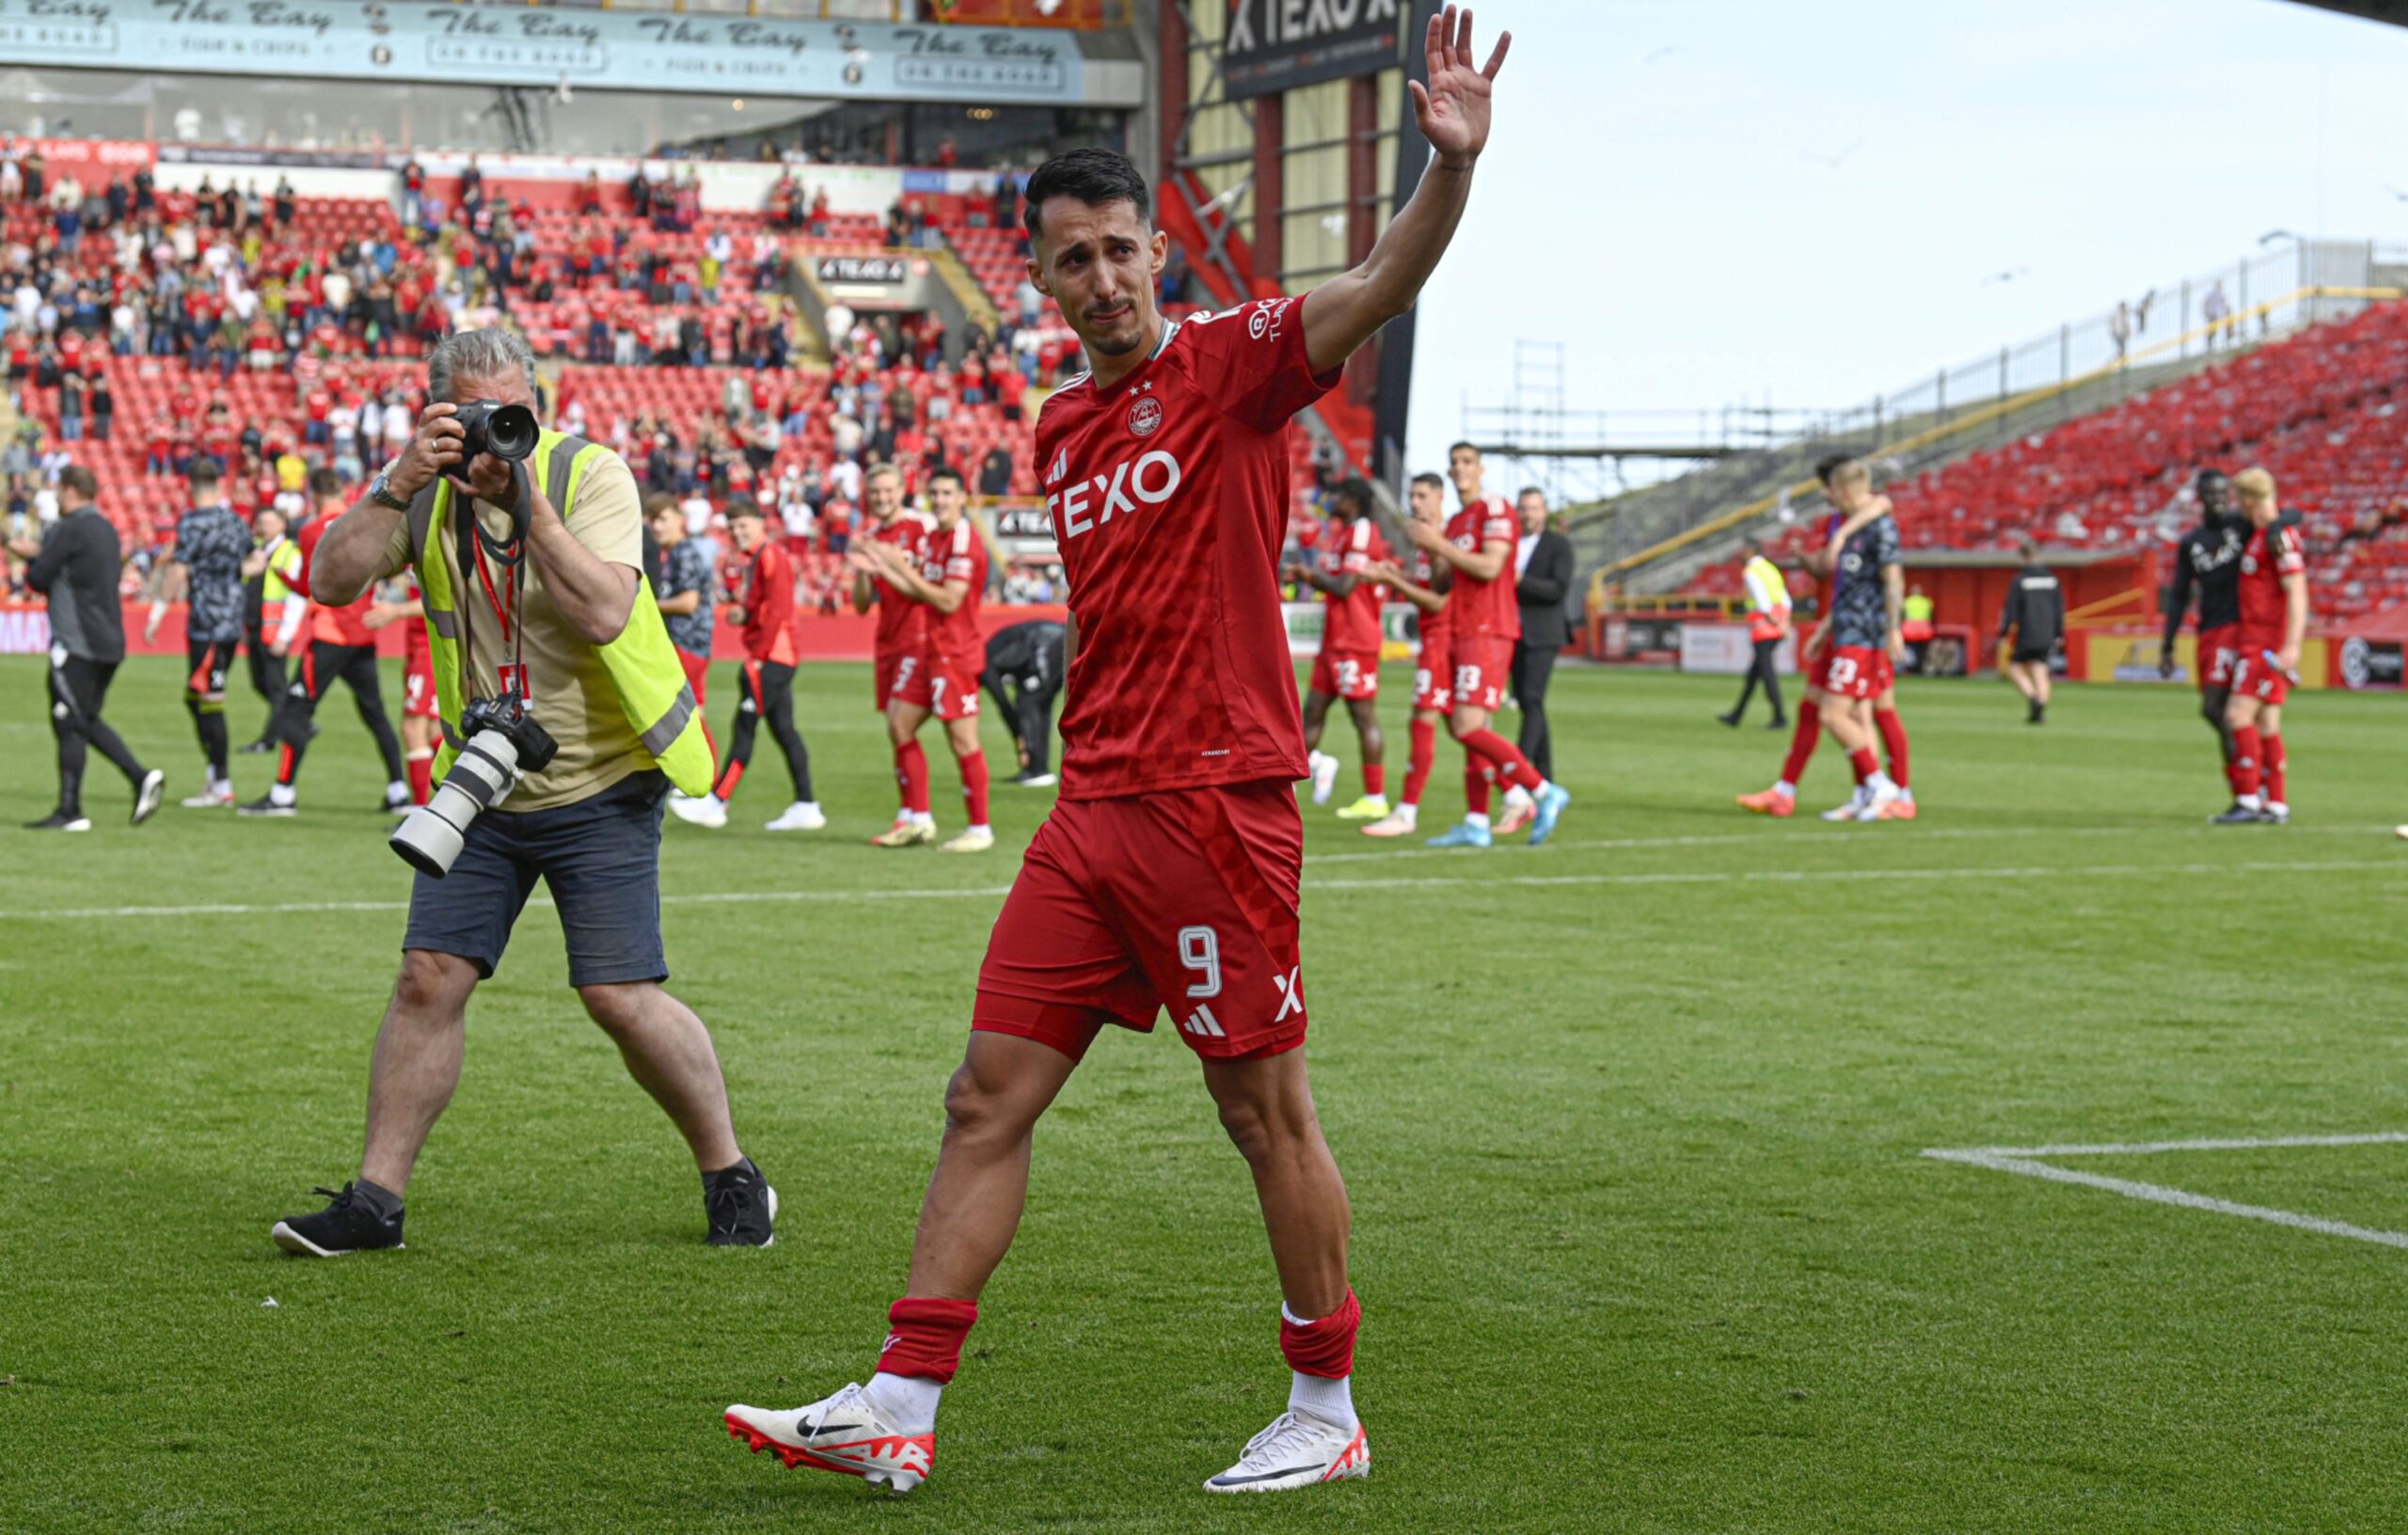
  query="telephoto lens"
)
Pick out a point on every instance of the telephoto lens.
point(501, 749)
point(506, 432)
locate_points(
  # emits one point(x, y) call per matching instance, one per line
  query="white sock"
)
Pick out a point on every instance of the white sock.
point(2278, 807)
point(2252, 801)
point(281, 794)
point(924, 817)
point(1477, 819)
point(397, 790)
point(1317, 756)
point(1318, 1396)
point(1879, 784)
point(1786, 788)
point(1906, 794)
point(984, 827)
point(1517, 796)
point(907, 1401)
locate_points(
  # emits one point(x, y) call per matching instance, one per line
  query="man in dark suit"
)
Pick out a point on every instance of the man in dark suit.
point(1543, 561)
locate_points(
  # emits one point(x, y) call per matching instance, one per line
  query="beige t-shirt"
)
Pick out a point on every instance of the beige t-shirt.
point(566, 682)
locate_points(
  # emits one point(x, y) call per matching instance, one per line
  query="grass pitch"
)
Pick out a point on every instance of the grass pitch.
point(1632, 1123)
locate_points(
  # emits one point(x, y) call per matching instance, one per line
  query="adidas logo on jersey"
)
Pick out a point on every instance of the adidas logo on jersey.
point(1202, 1022)
point(1060, 468)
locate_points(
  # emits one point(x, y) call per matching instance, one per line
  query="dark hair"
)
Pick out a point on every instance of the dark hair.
point(658, 502)
point(80, 479)
point(1827, 462)
point(1430, 479)
point(324, 482)
point(1453, 446)
point(741, 508)
point(1094, 176)
point(1354, 490)
point(946, 471)
point(1529, 490)
point(2027, 546)
point(203, 472)
point(2210, 477)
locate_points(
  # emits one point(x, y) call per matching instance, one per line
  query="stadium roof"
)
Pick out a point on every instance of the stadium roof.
point(2392, 11)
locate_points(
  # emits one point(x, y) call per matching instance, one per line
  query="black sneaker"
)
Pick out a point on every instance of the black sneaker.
point(742, 1206)
point(1730, 719)
point(256, 749)
point(350, 1225)
point(264, 805)
point(58, 820)
point(2239, 815)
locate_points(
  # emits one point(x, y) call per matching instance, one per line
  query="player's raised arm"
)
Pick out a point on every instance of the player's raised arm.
point(1344, 313)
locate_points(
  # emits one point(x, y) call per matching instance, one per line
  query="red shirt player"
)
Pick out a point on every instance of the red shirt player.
point(342, 646)
point(421, 712)
point(1420, 581)
point(944, 580)
point(2274, 626)
point(1348, 666)
point(1168, 873)
point(902, 629)
point(1477, 550)
point(762, 585)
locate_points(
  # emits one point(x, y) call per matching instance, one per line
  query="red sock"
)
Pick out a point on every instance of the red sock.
point(2246, 754)
point(284, 765)
point(728, 780)
point(974, 786)
point(1864, 762)
point(1893, 742)
point(419, 766)
point(1325, 1348)
point(1375, 778)
point(2275, 766)
point(924, 1338)
point(912, 776)
point(1475, 785)
point(1802, 740)
point(1513, 769)
point(1422, 757)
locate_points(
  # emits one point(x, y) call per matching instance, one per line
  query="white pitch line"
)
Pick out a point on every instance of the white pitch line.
point(1401, 882)
point(2145, 1148)
point(2159, 1193)
point(1837, 839)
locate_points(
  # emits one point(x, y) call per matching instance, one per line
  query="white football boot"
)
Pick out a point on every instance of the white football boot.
point(844, 1432)
point(1296, 1450)
point(1325, 771)
point(802, 815)
point(1848, 812)
point(710, 811)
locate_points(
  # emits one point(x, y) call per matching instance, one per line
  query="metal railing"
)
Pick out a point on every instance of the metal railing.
point(2084, 366)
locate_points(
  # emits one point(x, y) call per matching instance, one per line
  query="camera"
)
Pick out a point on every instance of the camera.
point(504, 744)
point(507, 432)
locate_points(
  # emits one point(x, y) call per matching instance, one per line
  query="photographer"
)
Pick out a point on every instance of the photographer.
point(548, 650)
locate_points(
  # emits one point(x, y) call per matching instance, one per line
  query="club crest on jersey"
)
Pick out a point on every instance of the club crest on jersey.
point(1146, 415)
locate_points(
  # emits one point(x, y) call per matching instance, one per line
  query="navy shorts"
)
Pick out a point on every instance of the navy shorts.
point(601, 859)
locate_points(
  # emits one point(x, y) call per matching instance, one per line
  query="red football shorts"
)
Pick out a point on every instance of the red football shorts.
point(1347, 673)
point(1818, 663)
point(939, 686)
point(893, 672)
point(418, 687)
point(1856, 672)
point(2254, 676)
point(1434, 675)
point(698, 671)
point(2217, 653)
point(1184, 899)
point(1483, 670)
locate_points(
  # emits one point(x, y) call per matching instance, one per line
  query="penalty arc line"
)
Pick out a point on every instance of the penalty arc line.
point(2160, 1195)
point(1755, 877)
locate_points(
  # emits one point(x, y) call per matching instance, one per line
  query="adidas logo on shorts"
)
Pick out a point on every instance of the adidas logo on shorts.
point(1202, 1022)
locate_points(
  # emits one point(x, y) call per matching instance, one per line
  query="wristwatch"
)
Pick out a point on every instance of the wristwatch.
point(380, 490)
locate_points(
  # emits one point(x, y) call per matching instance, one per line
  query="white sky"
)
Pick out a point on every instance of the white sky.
point(1648, 196)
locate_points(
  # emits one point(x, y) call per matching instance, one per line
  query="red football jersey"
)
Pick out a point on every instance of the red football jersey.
point(2271, 554)
point(1487, 610)
point(767, 593)
point(1353, 622)
point(902, 623)
point(1168, 496)
point(960, 555)
point(344, 626)
point(1423, 568)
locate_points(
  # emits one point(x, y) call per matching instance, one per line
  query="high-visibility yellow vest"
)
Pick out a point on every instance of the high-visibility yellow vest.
point(643, 664)
point(275, 581)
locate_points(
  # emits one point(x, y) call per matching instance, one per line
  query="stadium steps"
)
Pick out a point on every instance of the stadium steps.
point(966, 291)
point(1656, 538)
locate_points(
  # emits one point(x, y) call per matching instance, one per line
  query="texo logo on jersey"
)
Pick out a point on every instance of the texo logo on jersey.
point(1091, 502)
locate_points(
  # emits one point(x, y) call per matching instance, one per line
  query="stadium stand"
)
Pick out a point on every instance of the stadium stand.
point(2319, 409)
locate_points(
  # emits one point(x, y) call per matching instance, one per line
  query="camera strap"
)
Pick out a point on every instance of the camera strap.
point(475, 545)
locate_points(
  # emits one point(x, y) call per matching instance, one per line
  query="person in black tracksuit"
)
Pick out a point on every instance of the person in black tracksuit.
point(76, 566)
point(2207, 561)
point(2034, 614)
point(1024, 675)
